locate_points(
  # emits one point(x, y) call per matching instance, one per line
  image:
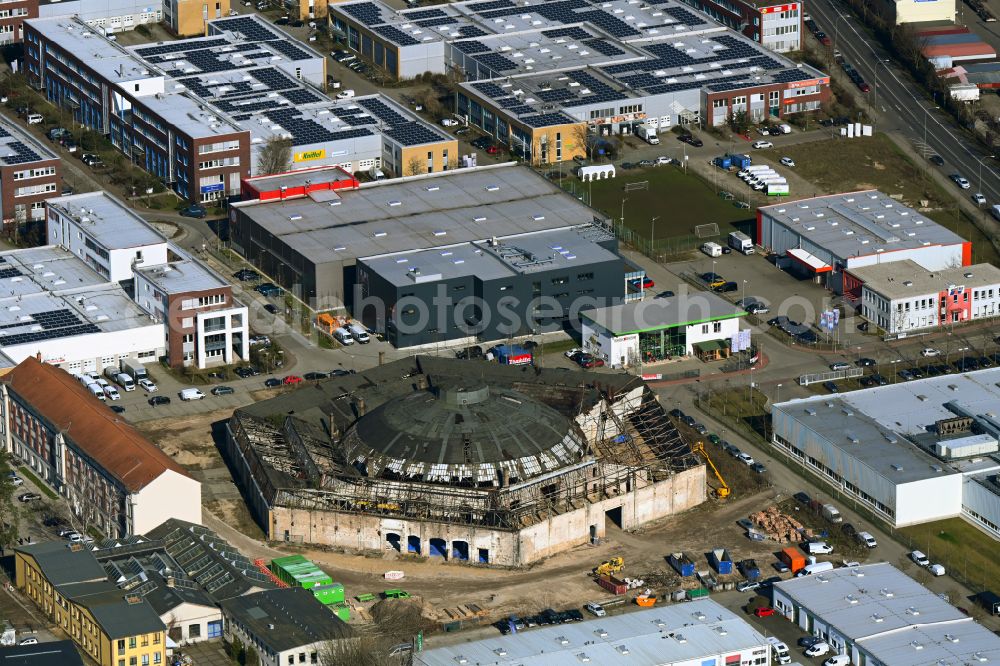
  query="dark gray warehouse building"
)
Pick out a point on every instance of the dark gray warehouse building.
point(482, 253)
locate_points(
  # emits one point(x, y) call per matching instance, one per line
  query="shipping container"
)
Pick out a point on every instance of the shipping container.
point(793, 559)
point(741, 161)
point(682, 563)
point(512, 355)
point(697, 593)
point(612, 584)
point(721, 561)
point(724, 162)
point(749, 569)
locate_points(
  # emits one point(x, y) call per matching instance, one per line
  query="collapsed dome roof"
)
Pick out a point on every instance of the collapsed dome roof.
point(463, 432)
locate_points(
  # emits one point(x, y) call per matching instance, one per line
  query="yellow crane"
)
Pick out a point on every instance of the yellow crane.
point(723, 490)
point(608, 567)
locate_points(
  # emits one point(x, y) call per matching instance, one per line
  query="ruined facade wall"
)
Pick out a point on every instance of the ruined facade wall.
point(360, 532)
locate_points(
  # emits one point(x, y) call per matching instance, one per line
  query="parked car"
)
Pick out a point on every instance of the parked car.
point(271, 308)
point(839, 365)
point(763, 611)
point(157, 400)
point(960, 180)
point(820, 649)
point(194, 210)
point(91, 160)
point(788, 161)
point(28, 497)
point(745, 458)
point(831, 387)
point(665, 294)
point(726, 287)
point(758, 467)
point(919, 558)
point(595, 609)
point(866, 362)
point(762, 144)
point(978, 198)
point(747, 586)
point(223, 390)
point(314, 376)
point(691, 140)
point(272, 382)
point(644, 283)
point(291, 380)
point(246, 275)
point(930, 351)
point(936, 160)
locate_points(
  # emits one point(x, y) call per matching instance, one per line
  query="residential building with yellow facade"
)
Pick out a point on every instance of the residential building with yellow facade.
point(110, 625)
point(186, 18)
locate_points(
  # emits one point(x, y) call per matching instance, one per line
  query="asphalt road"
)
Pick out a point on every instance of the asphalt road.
point(902, 106)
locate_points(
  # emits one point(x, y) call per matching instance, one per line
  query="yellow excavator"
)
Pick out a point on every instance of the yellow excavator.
point(608, 567)
point(723, 490)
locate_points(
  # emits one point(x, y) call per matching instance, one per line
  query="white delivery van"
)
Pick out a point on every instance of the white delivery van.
point(35, 118)
point(867, 539)
point(838, 660)
point(359, 333)
point(112, 393)
point(345, 94)
point(343, 336)
point(376, 174)
point(818, 548)
point(712, 249)
point(191, 394)
point(996, 211)
point(831, 513)
point(125, 381)
point(96, 391)
point(816, 568)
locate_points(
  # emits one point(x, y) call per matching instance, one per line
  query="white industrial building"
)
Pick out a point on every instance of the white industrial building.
point(55, 307)
point(657, 329)
point(903, 296)
point(700, 632)
point(879, 616)
point(917, 11)
point(108, 237)
point(111, 16)
point(825, 237)
point(912, 452)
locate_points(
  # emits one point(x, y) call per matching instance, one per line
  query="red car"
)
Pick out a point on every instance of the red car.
point(492, 150)
point(864, 87)
point(291, 379)
point(646, 282)
point(588, 361)
point(763, 611)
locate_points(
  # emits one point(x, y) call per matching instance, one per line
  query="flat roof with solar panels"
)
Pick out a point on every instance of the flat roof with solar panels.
point(17, 147)
point(50, 294)
point(242, 77)
point(551, 63)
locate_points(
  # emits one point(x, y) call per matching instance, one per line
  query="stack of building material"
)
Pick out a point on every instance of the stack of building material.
point(776, 525)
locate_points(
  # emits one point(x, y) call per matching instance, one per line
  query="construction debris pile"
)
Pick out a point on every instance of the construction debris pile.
point(778, 526)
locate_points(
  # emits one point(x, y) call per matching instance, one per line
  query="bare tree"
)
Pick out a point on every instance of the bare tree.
point(8, 511)
point(414, 166)
point(366, 650)
point(275, 156)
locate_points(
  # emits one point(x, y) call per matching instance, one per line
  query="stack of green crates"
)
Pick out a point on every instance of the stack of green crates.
point(297, 571)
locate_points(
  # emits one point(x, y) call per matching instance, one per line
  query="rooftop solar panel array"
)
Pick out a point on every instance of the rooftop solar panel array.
point(48, 325)
point(149, 52)
point(251, 29)
point(435, 22)
point(425, 14)
point(395, 35)
point(496, 62)
point(573, 33)
point(19, 154)
point(790, 75)
point(412, 134)
point(683, 16)
point(604, 47)
point(547, 119)
point(288, 50)
point(381, 110)
point(4, 133)
point(468, 31)
point(471, 47)
point(367, 13)
point(599, 91)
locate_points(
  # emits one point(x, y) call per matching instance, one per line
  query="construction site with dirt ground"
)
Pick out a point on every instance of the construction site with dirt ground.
point(461, 460)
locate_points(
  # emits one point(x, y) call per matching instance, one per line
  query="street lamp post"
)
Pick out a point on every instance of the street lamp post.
point(744, 299)
point(652, 234)
point(777, 394)
point(622, 218)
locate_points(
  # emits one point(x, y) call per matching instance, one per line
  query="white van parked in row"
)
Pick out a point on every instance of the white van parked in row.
point(343, 336)
point(359, 333)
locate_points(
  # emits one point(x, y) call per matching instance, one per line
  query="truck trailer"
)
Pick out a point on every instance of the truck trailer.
point(740, 242)
point(647, 133)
